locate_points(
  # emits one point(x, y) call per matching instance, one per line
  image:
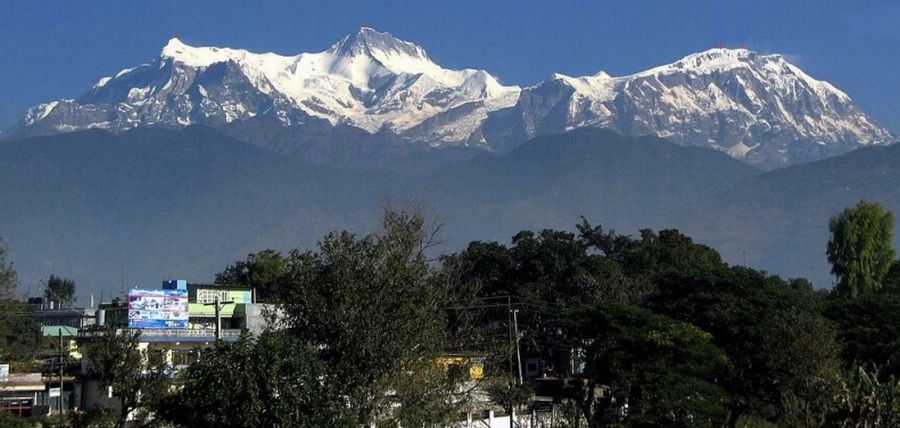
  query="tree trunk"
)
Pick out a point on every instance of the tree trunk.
point(123, 413)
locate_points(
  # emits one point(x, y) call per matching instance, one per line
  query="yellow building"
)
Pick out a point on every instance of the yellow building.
point(475, 364)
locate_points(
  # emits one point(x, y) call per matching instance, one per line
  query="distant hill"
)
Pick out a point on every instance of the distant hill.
point(779, 220)
point(622, 182)
point(150, 204)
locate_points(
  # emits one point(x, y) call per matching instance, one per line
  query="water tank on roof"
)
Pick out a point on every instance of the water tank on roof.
point(175, 284)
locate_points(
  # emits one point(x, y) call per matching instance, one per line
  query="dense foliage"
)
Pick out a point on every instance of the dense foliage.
point(116, 361)
point(61, 291)
point(353, 342)
point(262, 271)
point(860, 249)
point(653, 330)
point(20, 333)
point(272, 381)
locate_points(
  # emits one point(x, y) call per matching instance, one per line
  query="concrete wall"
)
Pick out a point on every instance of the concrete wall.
point(257, 316)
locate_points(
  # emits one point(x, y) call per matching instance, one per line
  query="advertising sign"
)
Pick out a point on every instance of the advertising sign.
point(157, 308)
point(233, 296)
point(54, 392)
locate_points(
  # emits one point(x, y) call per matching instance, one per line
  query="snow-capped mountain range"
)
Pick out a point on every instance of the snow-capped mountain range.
point(759, 108)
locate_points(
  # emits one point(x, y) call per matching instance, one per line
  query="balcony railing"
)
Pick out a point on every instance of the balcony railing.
point(172, 333)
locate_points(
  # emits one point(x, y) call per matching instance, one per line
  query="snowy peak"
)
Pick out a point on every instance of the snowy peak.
point(367, 41)
point(192, 56)
point(721, 60)
point(770, 67)
point(755, 107)
point(717, 59)
point(369, 80)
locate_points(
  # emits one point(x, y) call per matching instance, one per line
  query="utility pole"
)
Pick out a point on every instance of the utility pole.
point(515, 313)
point(509, 347)
point(218, 320)
point(60, 398)
point(218, 306)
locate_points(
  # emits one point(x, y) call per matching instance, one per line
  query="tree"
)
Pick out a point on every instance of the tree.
point(7, 274)
point(116, 361)
point(272, 381)
point(891, 282)
point(869, 331)
point(20, 332)
point(94, 417)
point(866, 401)
point(60, 290)
point(805, 359)
point(431, 395)
point(371, 308)
point(860, 249)
point(11, 421)
point(658, 254)
point(743, 310)
point(263, 271)
point(644, 369)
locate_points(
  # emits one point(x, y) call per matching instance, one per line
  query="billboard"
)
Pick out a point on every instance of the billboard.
point(157, 308)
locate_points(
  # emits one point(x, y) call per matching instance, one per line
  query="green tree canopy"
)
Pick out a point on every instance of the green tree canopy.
point(7, 274)
point(272, 381)
point(20, 333)
point(804, 359)
point(861, 248)
point(745, 310)
point(869, 330)
point(60, 290)
point(371, 307)
point(115, 360)
point(263, 271)
point(653, 370)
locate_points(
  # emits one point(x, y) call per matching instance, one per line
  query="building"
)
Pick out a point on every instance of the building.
point(175, 323)
point(65, 321)
point(20, 392)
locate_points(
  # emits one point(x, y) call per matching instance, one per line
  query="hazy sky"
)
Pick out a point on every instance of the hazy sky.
point(59, 49)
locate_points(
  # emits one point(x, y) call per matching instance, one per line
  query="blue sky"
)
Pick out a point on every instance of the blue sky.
point(59, 49)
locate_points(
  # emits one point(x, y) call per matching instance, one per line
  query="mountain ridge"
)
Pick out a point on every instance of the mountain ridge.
point(757, 108)
point(778, 220)
point(149, 203)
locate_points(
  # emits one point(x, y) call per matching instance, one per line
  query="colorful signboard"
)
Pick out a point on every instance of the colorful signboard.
point(157, 308)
